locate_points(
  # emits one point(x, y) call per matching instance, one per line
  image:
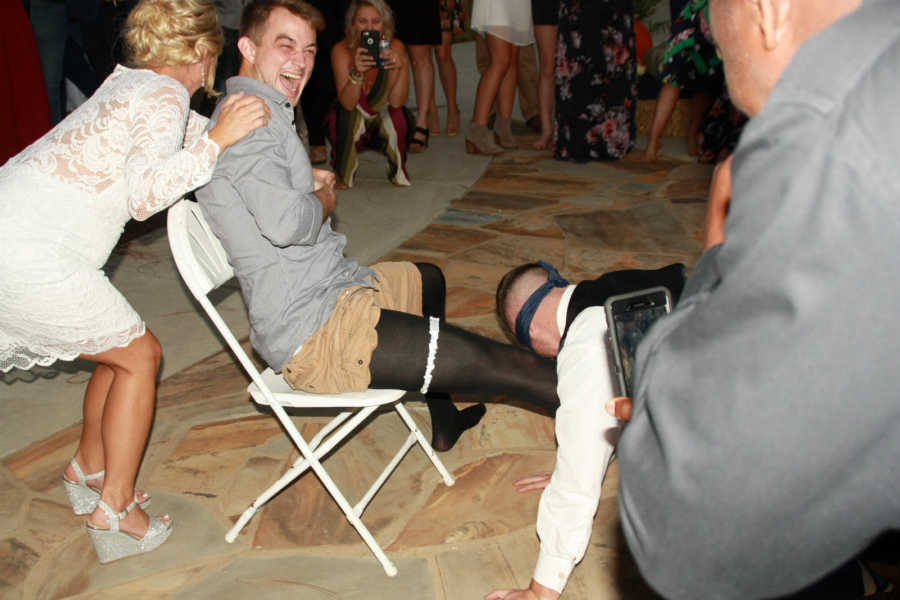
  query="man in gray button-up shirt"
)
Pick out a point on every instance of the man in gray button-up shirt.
point(271, 211)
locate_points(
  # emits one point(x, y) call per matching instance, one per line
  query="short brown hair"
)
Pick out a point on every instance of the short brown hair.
point(256, 14)
point(173, 32)
point(509, 285)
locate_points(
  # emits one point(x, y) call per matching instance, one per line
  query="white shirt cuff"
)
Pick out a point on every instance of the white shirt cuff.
point(553, 571)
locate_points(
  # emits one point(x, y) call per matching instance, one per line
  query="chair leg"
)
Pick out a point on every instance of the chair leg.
point(426, 447)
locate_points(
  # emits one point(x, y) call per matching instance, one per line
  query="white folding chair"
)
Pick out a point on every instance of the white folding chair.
point(204, 266)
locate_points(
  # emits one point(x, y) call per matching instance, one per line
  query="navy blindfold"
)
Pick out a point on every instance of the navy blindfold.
point(526, 314)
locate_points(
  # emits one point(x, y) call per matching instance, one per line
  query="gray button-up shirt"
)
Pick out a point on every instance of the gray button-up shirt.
point(260, 204)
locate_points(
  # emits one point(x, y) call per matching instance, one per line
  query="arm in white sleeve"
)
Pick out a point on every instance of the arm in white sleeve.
point(586, 435)
point(159, 169)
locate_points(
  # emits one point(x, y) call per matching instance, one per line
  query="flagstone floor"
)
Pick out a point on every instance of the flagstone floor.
point(211, 451)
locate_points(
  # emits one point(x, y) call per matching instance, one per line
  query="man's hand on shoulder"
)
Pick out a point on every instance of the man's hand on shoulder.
point(324, 191)
point(534, 592)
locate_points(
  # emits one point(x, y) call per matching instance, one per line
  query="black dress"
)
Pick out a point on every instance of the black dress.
point(418, 21)
point(596, 80)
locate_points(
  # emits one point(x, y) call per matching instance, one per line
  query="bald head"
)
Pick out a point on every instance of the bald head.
point(758, 38)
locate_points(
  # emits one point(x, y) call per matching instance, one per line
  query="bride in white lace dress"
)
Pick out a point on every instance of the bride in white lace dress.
point(130, 150)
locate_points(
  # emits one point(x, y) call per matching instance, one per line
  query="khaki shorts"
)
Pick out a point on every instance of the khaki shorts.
point(335, 359)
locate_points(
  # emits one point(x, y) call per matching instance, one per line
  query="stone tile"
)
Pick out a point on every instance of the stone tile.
point(649, 227)
point(482, 504)
point(209, 458)
point(593, 261)
point(303, 577)
point(529, 224)
point(41, 465)
point(13, 498)
point(454, 216)
point(475, 572)
point(445, 239)
point(51, 522)
point(499, 203)
point(156, 586)
point(73, 568)
point(509, 251)
point(305, 515)
point(16, 560)
point(466, 275)
point(510, 426)
point(466, 302)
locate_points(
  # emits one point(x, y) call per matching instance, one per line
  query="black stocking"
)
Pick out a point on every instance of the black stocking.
point(464, 363)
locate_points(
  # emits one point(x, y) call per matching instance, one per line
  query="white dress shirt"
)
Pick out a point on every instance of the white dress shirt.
point(586, 437)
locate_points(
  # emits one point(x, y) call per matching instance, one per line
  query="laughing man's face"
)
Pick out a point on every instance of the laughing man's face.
point(284, 57)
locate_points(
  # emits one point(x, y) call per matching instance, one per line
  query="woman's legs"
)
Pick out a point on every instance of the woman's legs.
point(545, 35)
point(423, 78)
point(700, 104)
point(447, 72)
point(492, 78)
point(127, 412)
point(665, 104)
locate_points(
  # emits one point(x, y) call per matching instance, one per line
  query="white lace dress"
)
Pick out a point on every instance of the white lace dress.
point(130, 150)
point(509, 20)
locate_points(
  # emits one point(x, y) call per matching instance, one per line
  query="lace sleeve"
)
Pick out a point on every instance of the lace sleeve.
point(158, 169)
point(196, 125)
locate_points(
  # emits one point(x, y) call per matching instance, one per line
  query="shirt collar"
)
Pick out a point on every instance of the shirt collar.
point(563, 308)
point(248, 85)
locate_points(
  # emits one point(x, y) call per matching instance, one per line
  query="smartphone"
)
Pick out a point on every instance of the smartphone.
point(629, 317)
point(370, 41)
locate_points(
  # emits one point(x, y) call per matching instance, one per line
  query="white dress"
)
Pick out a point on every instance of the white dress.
point(509, 20)
point(131, 150)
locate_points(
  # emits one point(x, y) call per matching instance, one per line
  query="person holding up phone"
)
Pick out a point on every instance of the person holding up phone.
point(568, 322)
point(371, 76)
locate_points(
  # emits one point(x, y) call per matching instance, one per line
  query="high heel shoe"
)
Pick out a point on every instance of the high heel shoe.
point(417, 145)
point(83, 497)
point(434, 123)
point(112, 544)
point(480, 140)
point(503, 128)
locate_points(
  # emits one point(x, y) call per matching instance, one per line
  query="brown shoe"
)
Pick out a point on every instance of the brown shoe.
point(481, 140)
point(503, 129)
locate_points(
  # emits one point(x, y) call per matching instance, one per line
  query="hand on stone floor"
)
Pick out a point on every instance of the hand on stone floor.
point(534, 592)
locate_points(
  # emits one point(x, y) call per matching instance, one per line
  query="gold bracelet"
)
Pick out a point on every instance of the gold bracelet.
point(355, 76)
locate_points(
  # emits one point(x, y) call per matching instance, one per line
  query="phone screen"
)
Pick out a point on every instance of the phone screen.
point(632, 317)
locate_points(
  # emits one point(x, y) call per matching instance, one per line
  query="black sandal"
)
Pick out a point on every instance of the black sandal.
point(417, 145)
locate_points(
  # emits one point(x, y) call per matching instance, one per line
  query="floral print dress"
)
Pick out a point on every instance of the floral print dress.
point(596, 80)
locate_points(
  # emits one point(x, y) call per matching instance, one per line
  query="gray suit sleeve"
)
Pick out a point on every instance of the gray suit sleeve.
point(762, 452)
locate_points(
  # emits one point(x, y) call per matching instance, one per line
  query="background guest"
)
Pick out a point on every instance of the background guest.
point(545, 14)
point(596, 80)
point(419, 28)
point(370, 95)
point(506, 25)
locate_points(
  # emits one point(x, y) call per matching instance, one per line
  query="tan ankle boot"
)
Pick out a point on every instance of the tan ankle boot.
point(503, 128)
point(480, 140)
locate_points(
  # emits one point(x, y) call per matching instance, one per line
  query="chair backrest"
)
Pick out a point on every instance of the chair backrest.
point(204, 266)
point(198, 254)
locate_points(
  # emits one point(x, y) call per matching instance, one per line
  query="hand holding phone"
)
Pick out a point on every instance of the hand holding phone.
point(629, 317)
point(370, 41)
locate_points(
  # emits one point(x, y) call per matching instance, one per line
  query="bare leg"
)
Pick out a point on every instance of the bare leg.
point(489, 84)
point(506, 94)
point(665, 104)
point(700, 104)
point(546, 43)
point(125, 424)
point(423, 77)
point(447, 72)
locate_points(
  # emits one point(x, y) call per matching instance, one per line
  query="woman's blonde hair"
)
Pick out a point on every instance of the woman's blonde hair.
point(352, 32)
point(174, 32)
